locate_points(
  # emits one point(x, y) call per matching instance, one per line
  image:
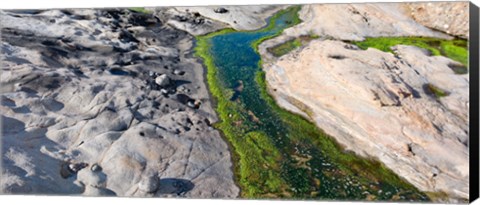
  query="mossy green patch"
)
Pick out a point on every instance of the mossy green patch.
point(436, 91)
point(140, 10)
point(454, 49)
point(290, 45)
point(284, 48)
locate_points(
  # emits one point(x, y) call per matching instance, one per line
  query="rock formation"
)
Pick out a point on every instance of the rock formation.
point(238, 17)
point(374, 103)
point(90, 106)
point(205, 19)
point(356, 21)
point(449, 17)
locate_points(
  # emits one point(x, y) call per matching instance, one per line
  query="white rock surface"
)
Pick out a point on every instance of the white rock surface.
point(75, 88)
point(188, 21)
point(238, 17)
point(203, 20)
point(357, 21)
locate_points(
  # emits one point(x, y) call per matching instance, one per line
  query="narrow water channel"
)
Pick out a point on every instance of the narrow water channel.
point(278, 154)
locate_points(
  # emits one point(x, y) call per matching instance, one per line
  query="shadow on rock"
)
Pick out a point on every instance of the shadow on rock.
point(24, 158)
point(175, 186)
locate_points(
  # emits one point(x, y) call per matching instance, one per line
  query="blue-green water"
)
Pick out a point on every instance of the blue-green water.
point(310, 165)
point(238, 61)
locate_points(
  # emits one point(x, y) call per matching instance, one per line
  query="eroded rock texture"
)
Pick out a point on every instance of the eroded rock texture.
point(357, 21)
point(449, 17)
point(106, 102)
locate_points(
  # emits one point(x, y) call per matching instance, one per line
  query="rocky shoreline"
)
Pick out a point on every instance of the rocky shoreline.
point(375, 103)
point(113, 102)
point(107, 102)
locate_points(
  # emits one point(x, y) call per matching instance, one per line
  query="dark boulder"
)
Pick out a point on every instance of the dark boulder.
point(220, 10)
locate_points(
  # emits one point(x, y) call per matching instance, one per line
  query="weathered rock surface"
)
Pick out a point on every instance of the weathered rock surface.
point(237, 17)
point(377, 105)
point(449, 17)
point(207, 19)
point(357, 21)
point(374, 103)
point(191, 22)
point(83, 113)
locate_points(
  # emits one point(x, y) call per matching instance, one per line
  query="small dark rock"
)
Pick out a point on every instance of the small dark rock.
point(458, 68)
point(69, 169)
point(194, 103)
point(191, 104)
point(181, 18)
point(178, 72)
point(184, 99)
point(207, 121)
point(196, 14)
point(96, 168)
point(197, 104)
point(77, 166)
point(220, 10)
point(118, 71)
point(239, 86)
point(199, 21)
point(337, 57)
point(65, 172)
point(351, 47)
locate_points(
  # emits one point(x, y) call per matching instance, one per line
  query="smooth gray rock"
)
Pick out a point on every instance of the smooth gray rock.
point(149, 184)
point(82, 90)
point(90, 178)
point(162, 80)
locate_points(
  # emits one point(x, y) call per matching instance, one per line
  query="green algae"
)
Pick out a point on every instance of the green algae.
point(455, 49)
point(283, 155)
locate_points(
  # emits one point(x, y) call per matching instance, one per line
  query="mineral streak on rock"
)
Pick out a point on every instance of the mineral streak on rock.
point(89, 107)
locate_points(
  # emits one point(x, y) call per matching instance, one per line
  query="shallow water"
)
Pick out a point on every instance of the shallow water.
point(305, 168)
